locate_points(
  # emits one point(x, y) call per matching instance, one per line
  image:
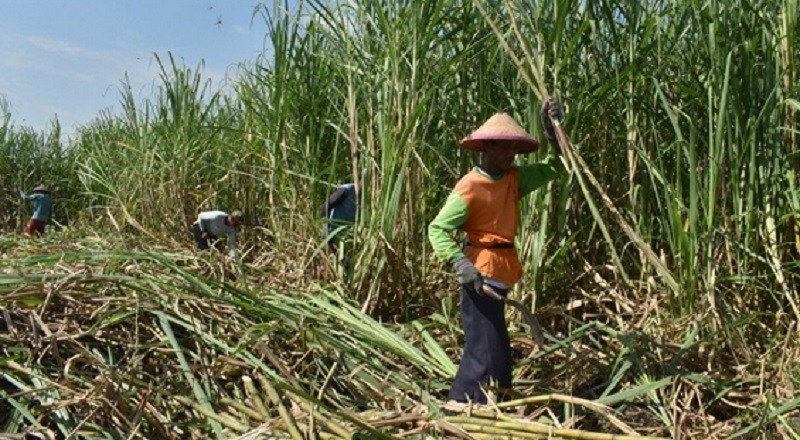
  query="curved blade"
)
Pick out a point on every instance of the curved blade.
point(533, 323)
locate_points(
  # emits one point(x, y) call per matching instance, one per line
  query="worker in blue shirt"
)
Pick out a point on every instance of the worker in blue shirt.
point(339, 213)
point(42, 209)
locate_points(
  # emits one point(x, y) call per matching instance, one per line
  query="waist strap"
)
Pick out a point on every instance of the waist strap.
point(491, 246)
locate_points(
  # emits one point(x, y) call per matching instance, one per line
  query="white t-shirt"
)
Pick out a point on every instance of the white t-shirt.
point(213, 222)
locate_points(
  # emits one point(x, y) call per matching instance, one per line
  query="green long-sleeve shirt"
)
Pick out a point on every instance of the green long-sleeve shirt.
point(487, 207)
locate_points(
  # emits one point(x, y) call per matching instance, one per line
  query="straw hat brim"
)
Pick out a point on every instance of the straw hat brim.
point(520, 144)
point(501, 130)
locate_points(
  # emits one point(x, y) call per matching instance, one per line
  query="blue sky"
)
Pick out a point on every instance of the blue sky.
point(68, 58)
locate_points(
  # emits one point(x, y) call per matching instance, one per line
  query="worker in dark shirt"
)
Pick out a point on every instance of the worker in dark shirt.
point(338, 213)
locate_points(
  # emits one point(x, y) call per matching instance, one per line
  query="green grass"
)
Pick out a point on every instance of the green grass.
point(685, 113)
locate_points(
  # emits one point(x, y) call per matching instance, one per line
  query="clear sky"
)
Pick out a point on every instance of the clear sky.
point(68, 58)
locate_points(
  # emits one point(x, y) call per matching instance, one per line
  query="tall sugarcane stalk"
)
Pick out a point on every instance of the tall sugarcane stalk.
point(573, 158)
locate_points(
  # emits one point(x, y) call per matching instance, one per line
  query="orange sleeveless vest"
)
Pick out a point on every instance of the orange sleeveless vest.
point(492, 219)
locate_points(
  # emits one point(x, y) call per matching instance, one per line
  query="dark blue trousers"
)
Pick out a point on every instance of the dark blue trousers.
point(487, 347)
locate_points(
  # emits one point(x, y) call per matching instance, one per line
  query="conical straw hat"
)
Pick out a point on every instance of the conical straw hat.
point(501, 127)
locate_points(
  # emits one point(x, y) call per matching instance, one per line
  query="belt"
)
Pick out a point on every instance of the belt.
point(491, 246)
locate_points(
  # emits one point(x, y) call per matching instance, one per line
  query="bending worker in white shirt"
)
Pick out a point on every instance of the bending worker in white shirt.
point(211, 225)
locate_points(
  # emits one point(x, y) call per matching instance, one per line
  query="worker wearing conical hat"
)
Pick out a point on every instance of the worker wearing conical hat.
point(42, 208)
point(485, 205)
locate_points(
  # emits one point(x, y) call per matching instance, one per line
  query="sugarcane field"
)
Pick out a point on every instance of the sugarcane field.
point(421, 220)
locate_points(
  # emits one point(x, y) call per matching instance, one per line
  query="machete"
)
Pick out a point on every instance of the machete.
point(530, 320)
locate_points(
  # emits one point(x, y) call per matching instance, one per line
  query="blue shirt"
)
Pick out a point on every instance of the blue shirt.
point(42, 205)
point(344, 212)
